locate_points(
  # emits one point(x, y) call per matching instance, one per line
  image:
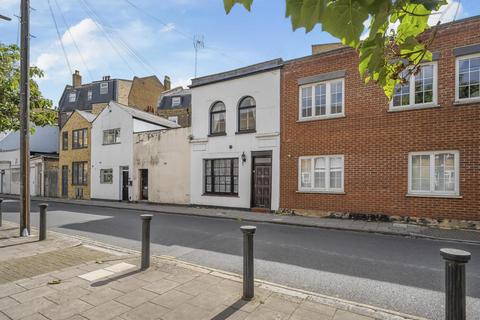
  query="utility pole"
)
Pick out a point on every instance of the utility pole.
point(24, 119)
point(198, 44)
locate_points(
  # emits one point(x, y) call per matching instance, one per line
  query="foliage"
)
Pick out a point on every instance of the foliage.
point(41, 111)
point(387, 54)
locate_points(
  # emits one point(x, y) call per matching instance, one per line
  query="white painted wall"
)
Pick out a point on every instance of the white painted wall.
point(10, 163)
point(111, 156)
point(166, 156)
point(265, 89)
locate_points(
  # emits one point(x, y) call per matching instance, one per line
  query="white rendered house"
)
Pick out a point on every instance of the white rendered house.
point(236, 138)
point(112, 149)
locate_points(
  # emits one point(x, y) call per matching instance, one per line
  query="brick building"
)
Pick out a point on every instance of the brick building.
point(74, 160)
point(345, 148)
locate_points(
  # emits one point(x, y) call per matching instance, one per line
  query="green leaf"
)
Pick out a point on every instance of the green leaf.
point(228, 4)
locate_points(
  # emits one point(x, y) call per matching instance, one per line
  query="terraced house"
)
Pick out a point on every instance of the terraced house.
point(346, 148)
point(74, 155)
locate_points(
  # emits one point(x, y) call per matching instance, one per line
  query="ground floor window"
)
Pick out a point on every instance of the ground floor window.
point(221, 176)
point(321, 173)
point(435, 173)
point(106, 176)
point(79, 173)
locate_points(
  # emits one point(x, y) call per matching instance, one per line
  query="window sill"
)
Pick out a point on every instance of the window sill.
point(321, 192)
point(217, 134)
point(108, 144)
point(246, 131)
point(77, 148)
point(448, 196)
point(321, 118)
point(220, 195)
point(413, 107)
point(466, 102)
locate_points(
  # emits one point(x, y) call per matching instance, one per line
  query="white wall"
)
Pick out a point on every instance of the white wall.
point(166, 156)
point(265, 89)
point(111, 156)
point(10, 163)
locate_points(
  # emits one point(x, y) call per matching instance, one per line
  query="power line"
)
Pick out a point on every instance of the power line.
point(107, 36)
point(126, 46)
point(184, 34)
point(59, 37)
point(67, 25)
point(456, 11)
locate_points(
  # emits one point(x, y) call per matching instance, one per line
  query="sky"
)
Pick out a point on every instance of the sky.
point(126, 38)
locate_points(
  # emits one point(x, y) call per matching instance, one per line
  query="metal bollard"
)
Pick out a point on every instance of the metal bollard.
point(42, 234)
point(1, 200)
point(455, 303)
point(147, 218)
point(248, 274)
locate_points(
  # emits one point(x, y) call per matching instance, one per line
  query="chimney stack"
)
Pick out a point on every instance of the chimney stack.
point(166, 83)
point(106, 78)
point(76, 79)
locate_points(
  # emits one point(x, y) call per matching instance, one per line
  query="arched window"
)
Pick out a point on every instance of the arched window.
point(246, 114)
point(217, 118)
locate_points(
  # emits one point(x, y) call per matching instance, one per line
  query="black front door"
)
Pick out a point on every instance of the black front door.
point(143, 184)
point(64, 181)
point(125, 185)
point(262, 182)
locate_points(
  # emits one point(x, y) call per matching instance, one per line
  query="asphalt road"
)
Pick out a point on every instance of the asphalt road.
point(392, 272)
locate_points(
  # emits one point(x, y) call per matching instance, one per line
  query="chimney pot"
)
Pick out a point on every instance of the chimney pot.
point(76, 79)
point(167, 83)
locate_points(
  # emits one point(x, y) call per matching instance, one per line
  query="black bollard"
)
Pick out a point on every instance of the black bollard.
point(455, 292)
point(42, 234)
point(1, 200)
point(146, 218)
point(248, 274)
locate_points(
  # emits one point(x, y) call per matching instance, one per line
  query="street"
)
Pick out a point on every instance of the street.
point(391, 272)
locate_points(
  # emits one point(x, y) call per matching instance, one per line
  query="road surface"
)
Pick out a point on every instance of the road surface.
point(391, 272)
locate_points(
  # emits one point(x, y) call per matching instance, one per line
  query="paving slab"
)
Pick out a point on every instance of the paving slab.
point(105, 311)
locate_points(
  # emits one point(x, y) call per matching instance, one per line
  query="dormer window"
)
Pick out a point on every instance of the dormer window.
point(72, 96)
point(176, 101)
point(103, 87)
point(89, 95)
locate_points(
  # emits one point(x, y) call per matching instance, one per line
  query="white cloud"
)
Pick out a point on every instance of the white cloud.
point(182, 83)
point(453, 9)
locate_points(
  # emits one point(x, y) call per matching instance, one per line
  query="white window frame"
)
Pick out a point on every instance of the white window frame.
point(412, 104)
point(457, 78)
point(89, 95)
point(116, 134)
point(327, 188)
point(102, 176)
point(328, 97)
point(173, 119)
point(103, 87)
point(72, 96)
point(432, 192)
point(177, 103)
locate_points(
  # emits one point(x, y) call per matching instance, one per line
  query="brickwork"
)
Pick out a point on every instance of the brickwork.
point(183, 114)
point(66, 157)
point(124, 87)
point(376, 143)
point(144, 93)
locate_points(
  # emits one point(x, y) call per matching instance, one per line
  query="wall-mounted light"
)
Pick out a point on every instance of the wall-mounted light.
point(244, 157)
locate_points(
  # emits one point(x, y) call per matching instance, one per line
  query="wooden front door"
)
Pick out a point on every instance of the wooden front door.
point(262, 182)
point(64, 181)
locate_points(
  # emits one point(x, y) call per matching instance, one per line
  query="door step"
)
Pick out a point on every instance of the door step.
point(259, 209)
